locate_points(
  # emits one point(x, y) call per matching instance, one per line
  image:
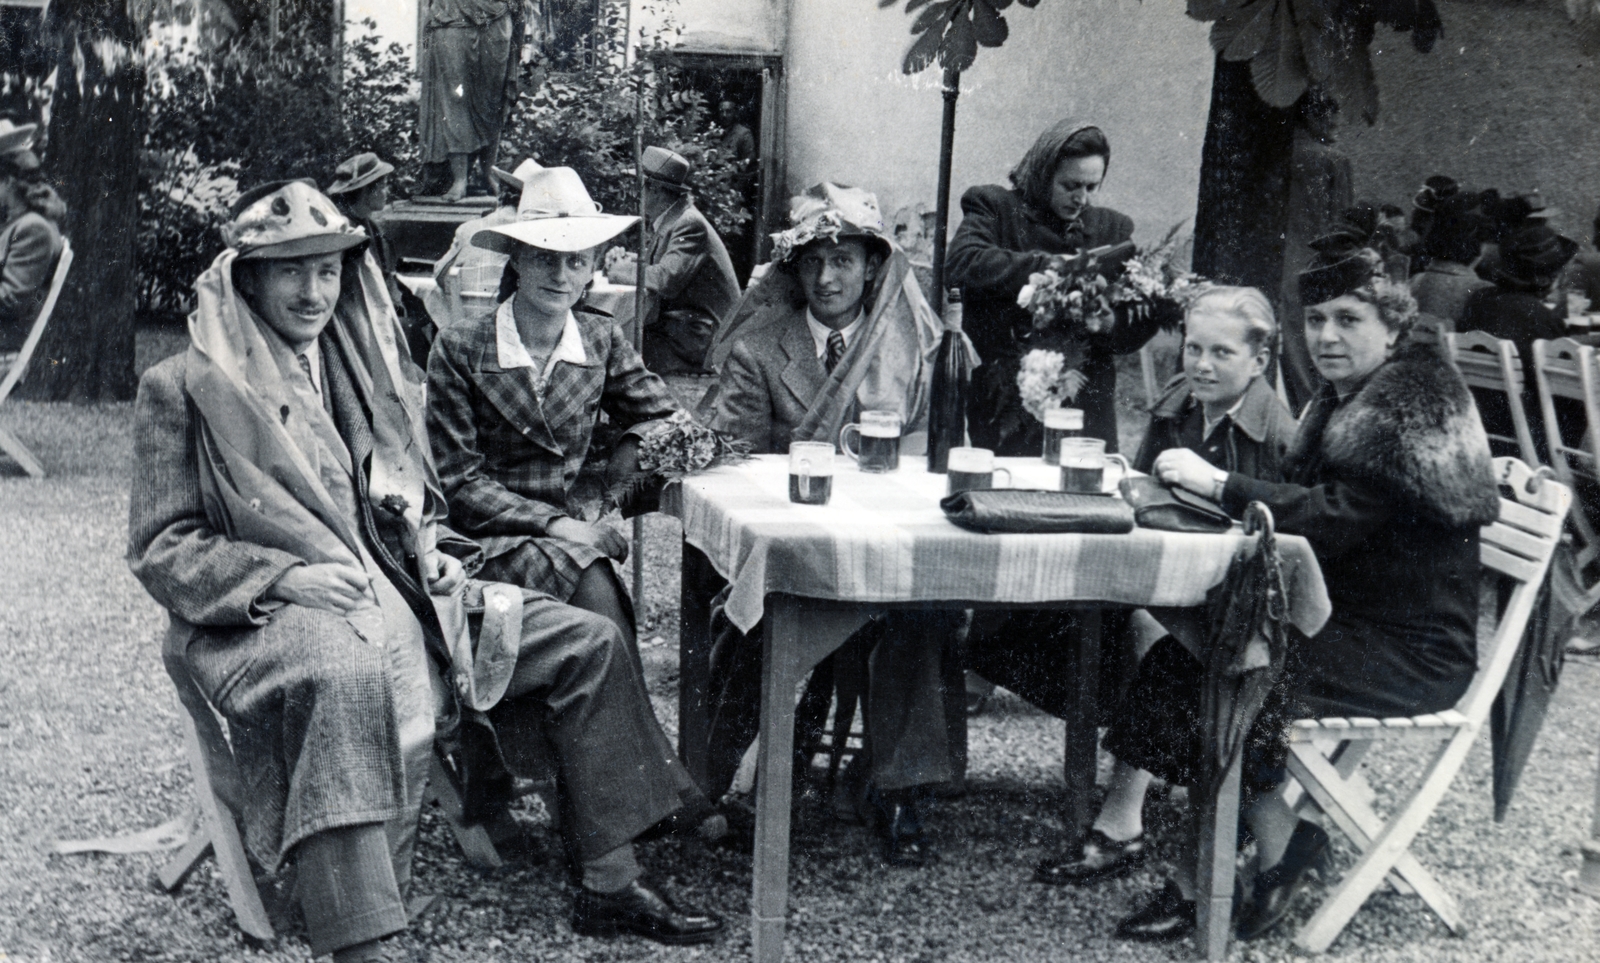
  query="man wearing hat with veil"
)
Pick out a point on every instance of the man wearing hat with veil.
point(286, 513)
point(836, 327)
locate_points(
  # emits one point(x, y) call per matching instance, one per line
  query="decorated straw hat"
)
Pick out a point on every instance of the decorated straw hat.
point(830, 211)
point(358, 172)
point(666, 168)
point(14, 137)
point(289, 219)
point(555, 214)
point(517, 178)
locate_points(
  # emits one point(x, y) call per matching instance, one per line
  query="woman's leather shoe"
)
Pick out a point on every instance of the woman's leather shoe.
point(1167, 917)
point(640, 910)
point(1275, 888)
point(1100, 857)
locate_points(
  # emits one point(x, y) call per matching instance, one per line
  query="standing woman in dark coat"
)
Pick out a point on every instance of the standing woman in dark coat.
point(1008, 234)
point(1389, 479)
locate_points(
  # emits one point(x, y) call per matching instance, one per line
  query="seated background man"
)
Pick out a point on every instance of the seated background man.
point(838, 326)
point(30, 239)
point(1222, 408)
point(361, 189)
point(688, 278)
point(284, 511)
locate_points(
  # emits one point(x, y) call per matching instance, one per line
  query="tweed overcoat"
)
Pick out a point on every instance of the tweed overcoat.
point(690, 289)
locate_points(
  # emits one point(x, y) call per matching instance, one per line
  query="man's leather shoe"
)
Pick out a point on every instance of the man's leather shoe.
point(642, 911)
point(1276, 888)
point(1100, 857)
point(1167, 917)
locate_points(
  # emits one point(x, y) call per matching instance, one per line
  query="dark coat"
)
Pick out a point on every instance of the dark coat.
point(1254, 440)
point(768, 384)
point(1000, 242)
point(28, 249)
point(1390, 486)
point(691, 289)
point(1522, 318)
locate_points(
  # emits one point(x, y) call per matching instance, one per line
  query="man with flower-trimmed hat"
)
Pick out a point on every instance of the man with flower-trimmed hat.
point(286, 513)
point(690, 287)
point(838, 326)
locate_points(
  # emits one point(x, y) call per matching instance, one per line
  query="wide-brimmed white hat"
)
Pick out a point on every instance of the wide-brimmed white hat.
point(556, 214)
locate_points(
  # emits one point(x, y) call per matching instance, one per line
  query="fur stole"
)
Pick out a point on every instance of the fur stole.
point(1413, 430)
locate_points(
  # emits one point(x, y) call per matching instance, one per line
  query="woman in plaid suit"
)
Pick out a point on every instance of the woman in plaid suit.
point(513, 400)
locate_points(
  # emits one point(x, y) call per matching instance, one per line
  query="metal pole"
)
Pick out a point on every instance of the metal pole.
point(941, 217)
point(638, 289)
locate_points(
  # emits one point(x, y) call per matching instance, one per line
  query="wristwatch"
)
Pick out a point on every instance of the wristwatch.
point(1219, 482)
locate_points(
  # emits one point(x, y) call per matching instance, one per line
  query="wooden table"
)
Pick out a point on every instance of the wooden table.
point(817, 573)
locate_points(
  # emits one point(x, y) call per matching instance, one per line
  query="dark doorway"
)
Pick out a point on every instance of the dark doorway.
point(741, 94)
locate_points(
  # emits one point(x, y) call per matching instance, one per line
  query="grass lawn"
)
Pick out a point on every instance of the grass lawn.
point(90, 746)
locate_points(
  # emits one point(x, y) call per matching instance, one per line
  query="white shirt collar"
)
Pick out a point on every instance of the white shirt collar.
point(511, 353)
point(820, 332)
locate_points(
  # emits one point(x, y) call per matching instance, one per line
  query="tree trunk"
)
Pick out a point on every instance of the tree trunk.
point(87, 351)
point(1244, 184)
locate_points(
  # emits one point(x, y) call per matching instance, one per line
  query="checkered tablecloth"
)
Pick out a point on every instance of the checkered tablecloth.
point(883, 538)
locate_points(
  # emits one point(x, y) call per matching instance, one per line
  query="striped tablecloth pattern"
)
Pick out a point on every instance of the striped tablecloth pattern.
point(883, 538)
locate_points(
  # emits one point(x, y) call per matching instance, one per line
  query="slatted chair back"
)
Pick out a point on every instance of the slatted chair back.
point(1565, 369)
point(1518, 548)
point(12, 375)
point(1493, 365)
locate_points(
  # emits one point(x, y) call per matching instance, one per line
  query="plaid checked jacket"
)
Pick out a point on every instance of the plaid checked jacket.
point(507, 458)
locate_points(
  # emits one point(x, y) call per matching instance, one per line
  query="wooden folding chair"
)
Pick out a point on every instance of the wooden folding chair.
point(1565, 370)
point(220, 790)
point(12, 375)
point(1492, 364)
point(1517, 548)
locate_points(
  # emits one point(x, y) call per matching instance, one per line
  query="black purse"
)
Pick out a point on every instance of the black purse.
point(1172, 509)
point(1026, 511)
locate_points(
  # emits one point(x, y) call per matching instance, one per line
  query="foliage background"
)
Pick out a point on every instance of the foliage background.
point(251, 110)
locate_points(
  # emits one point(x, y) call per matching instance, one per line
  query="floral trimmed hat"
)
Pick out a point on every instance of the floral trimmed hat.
point(830, 211)
point(289, 219)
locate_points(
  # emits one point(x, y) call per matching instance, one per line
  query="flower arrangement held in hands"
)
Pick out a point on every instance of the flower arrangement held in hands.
point(1046, 382)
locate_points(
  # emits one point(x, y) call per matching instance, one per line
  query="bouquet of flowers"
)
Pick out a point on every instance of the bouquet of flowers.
point(1046, 382)
point(680, 446)
point(1150, 277)
point(1075, 301)
point(675, 447)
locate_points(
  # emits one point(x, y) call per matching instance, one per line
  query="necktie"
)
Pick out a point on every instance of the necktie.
point(305, 365)
point(835, 351)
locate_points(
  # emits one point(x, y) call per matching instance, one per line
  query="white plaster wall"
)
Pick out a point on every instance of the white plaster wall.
point(1141, 71)
point(396, 19)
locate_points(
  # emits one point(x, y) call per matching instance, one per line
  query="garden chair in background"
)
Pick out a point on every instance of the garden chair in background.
point(1517, 550)
point(14, 368)
point(1565, 372)
point(1490, 364)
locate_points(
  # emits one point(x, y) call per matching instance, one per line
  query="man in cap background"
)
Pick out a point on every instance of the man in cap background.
point(285, 512)
point(29, 238)
point(688, 279)
point(361, 189)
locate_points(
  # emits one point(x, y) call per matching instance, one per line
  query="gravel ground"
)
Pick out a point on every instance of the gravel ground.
point(90, 745)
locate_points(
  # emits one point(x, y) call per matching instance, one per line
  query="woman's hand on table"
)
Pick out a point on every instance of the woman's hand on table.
point(1182, 468)
point(601, 538)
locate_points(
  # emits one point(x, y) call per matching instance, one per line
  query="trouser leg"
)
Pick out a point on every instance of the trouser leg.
point(618, 771)
point(905, 702)
point(348, 892)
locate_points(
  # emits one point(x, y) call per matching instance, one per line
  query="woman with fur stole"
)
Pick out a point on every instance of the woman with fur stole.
point(1390, 479)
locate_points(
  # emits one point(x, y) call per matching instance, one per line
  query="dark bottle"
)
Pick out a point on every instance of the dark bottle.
point(952, 378)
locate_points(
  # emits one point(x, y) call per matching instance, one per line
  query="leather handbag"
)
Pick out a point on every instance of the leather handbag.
point(1172, 509)
point(1026, 511)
